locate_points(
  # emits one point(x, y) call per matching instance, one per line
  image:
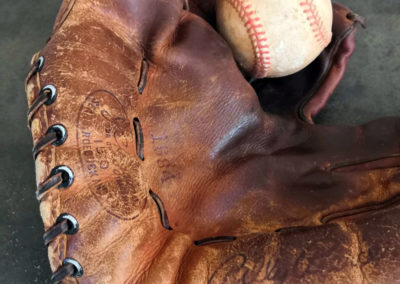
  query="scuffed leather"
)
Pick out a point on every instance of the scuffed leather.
point(305, 203)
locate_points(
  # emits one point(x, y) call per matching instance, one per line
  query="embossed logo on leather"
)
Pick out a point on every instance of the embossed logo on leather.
point(107, 154)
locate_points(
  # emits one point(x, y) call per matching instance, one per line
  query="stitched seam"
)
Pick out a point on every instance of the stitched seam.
point(315, 21)
point(257, 35)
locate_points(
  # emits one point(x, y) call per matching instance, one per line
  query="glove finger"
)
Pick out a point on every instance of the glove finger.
point(350, 148)
point(367, 158)
point(366, 248)
point(339, 171)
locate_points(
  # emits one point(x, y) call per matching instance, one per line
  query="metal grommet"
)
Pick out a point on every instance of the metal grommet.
point(65, 224)
point(39, 64)
point(78, 268)
point(61, 133)
point(73, 225)
point(52, 94)
point(69, 268)
point(67, 175)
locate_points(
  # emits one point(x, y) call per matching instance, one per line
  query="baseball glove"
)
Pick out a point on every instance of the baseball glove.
point(158, 162)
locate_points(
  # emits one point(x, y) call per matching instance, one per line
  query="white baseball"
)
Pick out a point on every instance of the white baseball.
point(275, 38)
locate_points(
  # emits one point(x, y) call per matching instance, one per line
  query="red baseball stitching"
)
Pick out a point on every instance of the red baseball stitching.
point(316, 23)
point(257, 35)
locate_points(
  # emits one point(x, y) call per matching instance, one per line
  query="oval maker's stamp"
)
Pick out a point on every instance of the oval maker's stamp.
point(107, 155)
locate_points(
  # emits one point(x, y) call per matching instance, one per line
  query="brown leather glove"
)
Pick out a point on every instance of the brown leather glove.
point(158, 162)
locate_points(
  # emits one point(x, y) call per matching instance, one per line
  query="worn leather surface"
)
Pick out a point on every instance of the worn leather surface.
point(299, 202)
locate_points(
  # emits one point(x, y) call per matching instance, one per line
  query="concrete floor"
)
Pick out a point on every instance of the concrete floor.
point(371, 89)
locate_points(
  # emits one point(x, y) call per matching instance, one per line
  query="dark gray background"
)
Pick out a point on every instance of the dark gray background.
point(370, 90)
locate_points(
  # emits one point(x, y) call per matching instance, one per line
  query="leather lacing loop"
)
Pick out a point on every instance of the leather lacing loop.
point(65, 224)
point(60, 177)
point(47, 96)
point(143, 76)
point(55, 135)
point(36, 68)
point(161, 210)
point(70, 267)
point(138, 138)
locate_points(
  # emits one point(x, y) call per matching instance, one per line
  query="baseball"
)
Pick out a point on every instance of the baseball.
point(275, 38)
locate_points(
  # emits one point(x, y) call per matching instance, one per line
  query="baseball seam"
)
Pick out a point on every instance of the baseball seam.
point(257, 35)
point(315, 21)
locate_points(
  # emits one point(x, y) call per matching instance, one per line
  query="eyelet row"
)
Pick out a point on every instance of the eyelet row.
point(61, 177)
